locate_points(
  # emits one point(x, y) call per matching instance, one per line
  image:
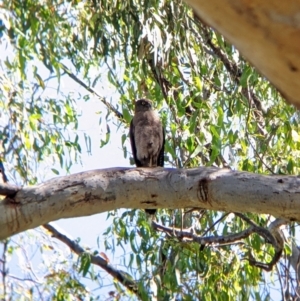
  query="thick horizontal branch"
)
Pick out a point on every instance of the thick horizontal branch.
point(98, 191)
point(266, 32)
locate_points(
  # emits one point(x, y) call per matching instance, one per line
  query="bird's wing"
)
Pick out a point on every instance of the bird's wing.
point(160, 158)
point(133, 146)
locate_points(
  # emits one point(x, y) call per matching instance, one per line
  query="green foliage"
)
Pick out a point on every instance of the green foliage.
point(216, 108)
point(85, 263)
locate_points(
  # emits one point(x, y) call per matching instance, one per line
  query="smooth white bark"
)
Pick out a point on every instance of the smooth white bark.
point(266, 32)
point(97, 191)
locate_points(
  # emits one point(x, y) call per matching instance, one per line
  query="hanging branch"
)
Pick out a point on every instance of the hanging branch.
point(236, 73)
point(96, 260)
point(270, 238)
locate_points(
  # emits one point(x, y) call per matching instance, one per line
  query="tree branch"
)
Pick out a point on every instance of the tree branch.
point(91, 90)
point(188, 235)
point(235, 73)
point(8, 189)
point(259, 31)
point(278, 244)
point(96, 260)
point(78, 81)
point(98, 191)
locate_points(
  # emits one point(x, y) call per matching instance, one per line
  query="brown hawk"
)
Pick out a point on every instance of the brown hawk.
point(147, 137)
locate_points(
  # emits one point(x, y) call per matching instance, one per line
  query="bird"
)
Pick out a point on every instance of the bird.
point(147, 137)
point(3, 177)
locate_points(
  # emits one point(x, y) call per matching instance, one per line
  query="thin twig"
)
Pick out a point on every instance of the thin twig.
point(91, 90)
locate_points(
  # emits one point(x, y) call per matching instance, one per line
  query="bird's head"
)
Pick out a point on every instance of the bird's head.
point(142, 105)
